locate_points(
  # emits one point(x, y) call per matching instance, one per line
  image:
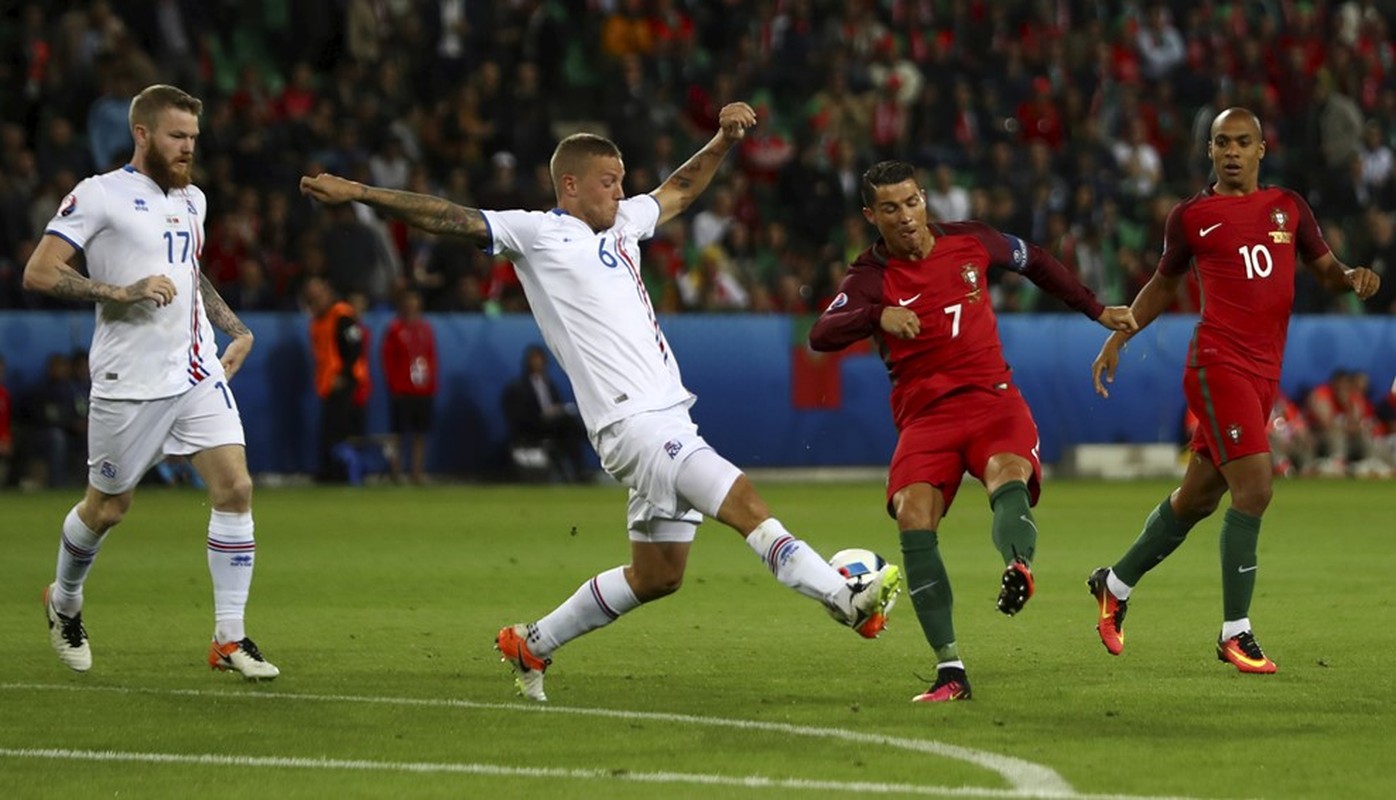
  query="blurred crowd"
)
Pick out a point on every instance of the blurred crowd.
point(1074, 123)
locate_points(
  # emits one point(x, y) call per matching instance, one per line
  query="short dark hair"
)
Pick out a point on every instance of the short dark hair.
point(884, 173)
point(154, 99)
point(571, 152)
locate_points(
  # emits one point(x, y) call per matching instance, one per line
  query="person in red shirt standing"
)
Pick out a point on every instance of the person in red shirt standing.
point(921, 292)
point(409, 365)
point(1243, 240)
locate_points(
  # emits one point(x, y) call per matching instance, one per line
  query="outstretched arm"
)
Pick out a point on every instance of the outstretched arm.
point(225, 320)
point(431, 214)
point(48, 272)
point(1155, 298)
point(688, 181)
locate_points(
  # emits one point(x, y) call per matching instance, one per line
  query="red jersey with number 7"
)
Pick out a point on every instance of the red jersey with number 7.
point(1244, 249)
point(958, 346)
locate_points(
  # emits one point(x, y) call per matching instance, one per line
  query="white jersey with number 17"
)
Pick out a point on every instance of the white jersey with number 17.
point(128, 229)
point(590, 301)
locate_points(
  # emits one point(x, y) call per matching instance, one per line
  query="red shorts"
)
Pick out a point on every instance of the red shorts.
point(1232, 409)
point(959, 433)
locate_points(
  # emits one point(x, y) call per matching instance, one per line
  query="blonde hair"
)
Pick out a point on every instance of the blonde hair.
point(572, 151)
point(153, 99)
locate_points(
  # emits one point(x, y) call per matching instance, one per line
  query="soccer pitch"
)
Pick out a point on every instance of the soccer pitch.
point(380, 606)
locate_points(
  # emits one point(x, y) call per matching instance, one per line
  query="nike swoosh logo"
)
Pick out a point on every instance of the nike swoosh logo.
point(909, 300)
point(1251, 568)
point(923, 588)
point(1206, 231)
point(1025, 518)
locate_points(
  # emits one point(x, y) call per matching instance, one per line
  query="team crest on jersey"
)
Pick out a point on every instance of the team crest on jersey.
point(970, 275)
point(108, 470)
point(1280, 219)
point(673, 447)
point(1233, 432)
point(140, 204)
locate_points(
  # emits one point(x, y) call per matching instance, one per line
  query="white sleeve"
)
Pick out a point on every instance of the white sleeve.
point(638, 215)
point(511, 232)
point(81, 214)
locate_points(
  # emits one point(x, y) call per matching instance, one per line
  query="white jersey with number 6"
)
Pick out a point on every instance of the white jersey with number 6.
point(129, 229)
point(588, 297)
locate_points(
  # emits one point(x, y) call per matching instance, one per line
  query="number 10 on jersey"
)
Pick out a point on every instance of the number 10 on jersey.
point(1258, 261)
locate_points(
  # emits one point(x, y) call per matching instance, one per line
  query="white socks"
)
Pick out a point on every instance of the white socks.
point(794, 563)
point(232, 551)
point(1117, 587)
point(76, 552)
point(1235, 627)
point(596, 603)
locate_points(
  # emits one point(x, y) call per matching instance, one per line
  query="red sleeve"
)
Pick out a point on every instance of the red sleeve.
point(855, 313)
point(1311, 244)
point(1177, 253)
point(1046, 271)
point(1040, 267)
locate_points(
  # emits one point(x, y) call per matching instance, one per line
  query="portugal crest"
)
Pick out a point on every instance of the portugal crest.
point(1280, 219)
point(970, 275)
point(1233, 432)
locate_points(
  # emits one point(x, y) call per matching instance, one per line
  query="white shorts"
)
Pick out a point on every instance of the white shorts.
point(127, 437)
point(645, 453)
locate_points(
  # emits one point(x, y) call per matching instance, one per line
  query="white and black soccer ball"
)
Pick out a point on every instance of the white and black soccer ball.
point(860, 568)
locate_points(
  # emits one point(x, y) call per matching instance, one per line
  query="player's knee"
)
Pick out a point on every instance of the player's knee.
point(108, 512)
point(653, 587)
point(233, 494)
point(1252, 500)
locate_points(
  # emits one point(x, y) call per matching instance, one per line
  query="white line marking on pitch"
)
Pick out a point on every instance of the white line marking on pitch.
point(1026, 778)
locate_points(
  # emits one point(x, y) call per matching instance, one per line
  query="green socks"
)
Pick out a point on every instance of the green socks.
point(929, 587)
point(1015, 533)
point(1162, 534)
point(1239, 534)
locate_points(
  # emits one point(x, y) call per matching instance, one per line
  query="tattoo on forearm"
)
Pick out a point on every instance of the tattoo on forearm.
point(72, 285)
point(217, 309)
point(431, 214)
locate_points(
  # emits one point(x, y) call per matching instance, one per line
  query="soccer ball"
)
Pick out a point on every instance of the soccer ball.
point(859, 568)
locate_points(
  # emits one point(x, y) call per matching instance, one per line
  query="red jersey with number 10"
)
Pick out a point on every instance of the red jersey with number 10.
point(1244, 250)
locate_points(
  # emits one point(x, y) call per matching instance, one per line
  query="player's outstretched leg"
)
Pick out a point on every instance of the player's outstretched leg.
point(242, 657)
point(512, 643)
point(1111, 622)
point(67, 635)
point(1015, 536)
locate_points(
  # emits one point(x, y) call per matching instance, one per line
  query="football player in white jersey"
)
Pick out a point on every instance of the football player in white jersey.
point(580, 268)
point(158, 385)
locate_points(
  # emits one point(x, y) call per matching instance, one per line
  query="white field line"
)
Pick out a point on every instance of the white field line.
point(1026, 778)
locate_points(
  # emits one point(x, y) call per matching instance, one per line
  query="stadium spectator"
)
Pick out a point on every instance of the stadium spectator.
point(1344, 422)
point(947, 201)
point(540, 418)
point(410, 369)
point(158, 385)
point(630, 395)
point(1292, 446)
point(952, 395)
point(1233, 373)
point(341, 367)
point(54, 426)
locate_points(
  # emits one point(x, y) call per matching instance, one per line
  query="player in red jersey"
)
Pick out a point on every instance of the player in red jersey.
point(922, 292)
point(1243, 240)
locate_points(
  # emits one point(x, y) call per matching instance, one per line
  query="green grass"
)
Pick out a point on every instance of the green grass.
point(397, 593)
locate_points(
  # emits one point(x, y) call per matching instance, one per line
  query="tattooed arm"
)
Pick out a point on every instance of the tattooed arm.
point(225, 320)
point(431, 214)
point(689, 180)
point(48, 272)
